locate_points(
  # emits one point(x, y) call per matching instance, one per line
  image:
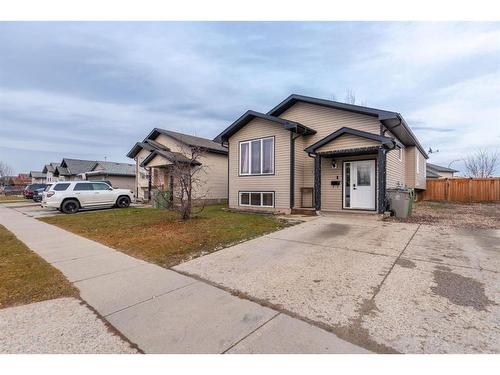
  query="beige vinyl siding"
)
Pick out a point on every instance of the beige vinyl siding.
point(279, 182)
point(421, 178)
point(445, 174)
point(141, 182)
point(215, 179)
point(118, 182)
point(331, 196)
point(414, 179)
point(395, 169)
point(347, 141)
point(325, 121)
point(299, 170)
point(212, 175)
point(172, 144)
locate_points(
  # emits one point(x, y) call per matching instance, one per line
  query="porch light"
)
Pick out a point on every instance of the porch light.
point(334, 164)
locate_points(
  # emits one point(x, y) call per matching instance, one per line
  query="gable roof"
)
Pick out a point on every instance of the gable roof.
point(77, 166)
point(51, 167)
point(440, 168)
point(389, 142)
point(112, 168)
point(37, 174)
point(250, 115)
point(169, 155)
point(189, 140)
point(430, 174)
point(386, 117)
point(61, 171)
point(148, 145)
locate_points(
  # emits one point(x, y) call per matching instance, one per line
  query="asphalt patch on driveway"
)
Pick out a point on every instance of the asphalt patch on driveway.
point(460, 290)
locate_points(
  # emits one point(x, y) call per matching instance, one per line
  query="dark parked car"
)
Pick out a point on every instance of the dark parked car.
point(38, 193)
point(28, 190)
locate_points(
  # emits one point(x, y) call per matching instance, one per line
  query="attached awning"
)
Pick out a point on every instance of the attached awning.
point(163, 158)
point(348, 140)
point(349, 152)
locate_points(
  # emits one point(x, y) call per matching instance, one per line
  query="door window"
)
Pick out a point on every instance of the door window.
point(364, 172)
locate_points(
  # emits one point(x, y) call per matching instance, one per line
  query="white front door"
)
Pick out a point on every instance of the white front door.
point(359, 184)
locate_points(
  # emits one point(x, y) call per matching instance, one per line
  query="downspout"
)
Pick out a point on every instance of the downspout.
point(149, 183)
point(292, 168)
point(317, 181)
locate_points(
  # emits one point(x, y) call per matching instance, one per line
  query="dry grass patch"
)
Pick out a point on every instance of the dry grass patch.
point(11, 198)
point(25, 277)
point(159, 236)
point(460, 215)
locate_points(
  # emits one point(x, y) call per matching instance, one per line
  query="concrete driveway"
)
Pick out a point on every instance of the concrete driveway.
point(388, 287)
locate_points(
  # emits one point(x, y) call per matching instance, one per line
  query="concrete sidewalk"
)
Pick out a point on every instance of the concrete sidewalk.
point(163, 311)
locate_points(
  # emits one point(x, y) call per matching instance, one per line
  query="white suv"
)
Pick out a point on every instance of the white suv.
point(70, 196)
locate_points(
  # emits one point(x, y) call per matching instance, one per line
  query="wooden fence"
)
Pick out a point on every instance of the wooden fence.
point(466, 190)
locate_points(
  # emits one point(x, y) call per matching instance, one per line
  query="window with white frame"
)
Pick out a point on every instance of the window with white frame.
point(257, 156)
point(417, 159)
point(256, 198)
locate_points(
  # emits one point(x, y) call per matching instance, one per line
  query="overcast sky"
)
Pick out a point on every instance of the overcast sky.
point(91, 90)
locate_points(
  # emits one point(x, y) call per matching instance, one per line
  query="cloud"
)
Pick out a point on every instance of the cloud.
point(94, 89)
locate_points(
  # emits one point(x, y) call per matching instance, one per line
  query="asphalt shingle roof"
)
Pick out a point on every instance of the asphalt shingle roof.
point(192, 140)
point(440, 168)
point(112, 168)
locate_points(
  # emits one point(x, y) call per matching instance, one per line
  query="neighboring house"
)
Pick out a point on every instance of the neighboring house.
point(156, 153)
point(22, 179)
point(120, 175)
point(322, 155)
point(49, 170)
point(437, 171)
point(38, 177)
point(71, 169)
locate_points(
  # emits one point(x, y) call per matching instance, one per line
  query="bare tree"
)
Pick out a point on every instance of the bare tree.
point(350, 97)
point(481, 164)
point(183, 183)
point(5, 169)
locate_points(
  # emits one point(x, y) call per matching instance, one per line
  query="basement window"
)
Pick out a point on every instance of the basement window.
point(256, 198)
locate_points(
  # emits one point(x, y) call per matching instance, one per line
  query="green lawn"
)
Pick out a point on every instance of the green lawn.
point(159, 236)
point(25, 277)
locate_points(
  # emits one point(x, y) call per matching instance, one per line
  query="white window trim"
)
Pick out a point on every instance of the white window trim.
point(250, 200)
point(417, 159)
point(400, 153)
point(249, 143)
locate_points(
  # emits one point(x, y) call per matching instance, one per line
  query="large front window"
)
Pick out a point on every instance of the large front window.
point(257, 156)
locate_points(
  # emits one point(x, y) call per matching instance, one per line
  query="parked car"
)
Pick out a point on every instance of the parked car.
point(28, 190)
point(69, 197)
point(37, 194)
point(12, 190)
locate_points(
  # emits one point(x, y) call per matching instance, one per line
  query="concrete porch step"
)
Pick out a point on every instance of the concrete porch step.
point(304, 211)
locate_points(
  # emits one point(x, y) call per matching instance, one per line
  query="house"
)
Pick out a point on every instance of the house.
point(49, 170)
point(155, 155)
point(437, 171)
point(38, 177)
point(22, 179)
point(322, 155)
point(70, 169)
point(120, 175)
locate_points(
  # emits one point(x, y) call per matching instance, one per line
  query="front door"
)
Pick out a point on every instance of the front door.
point(359, 184)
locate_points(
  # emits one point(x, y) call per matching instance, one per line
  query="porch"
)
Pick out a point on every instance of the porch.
point(349, 171)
